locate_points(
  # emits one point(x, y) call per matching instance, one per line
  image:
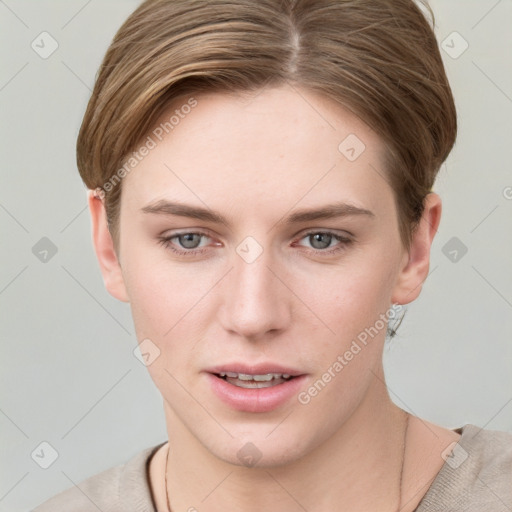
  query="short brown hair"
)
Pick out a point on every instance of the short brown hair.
point(378, 58)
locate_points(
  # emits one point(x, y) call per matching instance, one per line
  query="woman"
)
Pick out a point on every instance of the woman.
point(260, 187)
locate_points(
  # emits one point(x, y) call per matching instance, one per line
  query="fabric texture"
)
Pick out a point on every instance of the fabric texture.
point(477, 477)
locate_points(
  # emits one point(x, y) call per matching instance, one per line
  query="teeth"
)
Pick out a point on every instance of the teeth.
point(258, 378)
point(251, 384)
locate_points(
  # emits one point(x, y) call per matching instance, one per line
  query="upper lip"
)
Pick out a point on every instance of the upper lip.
point(254, 369)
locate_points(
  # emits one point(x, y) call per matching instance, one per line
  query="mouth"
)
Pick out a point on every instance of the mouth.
point(255, 388)
point(254, 381)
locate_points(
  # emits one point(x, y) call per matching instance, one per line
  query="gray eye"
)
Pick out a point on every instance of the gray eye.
point(320, 240)
point(189, 240)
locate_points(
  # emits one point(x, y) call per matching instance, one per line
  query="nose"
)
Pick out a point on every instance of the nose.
point(256, 301)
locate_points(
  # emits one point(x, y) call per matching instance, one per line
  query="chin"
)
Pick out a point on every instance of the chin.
point(257, 455)
point(255, 448)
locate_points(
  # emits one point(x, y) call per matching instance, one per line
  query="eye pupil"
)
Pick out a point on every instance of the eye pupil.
point(191, 240)
point(323, 238)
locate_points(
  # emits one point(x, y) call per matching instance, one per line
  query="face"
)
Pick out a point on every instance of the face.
point(260, 236)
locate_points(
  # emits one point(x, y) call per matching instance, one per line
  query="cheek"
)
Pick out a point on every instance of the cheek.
point(150, 297)
point(353, 303)
point(161, 292)
point(166, 312)
point(348, 298)
point(171, 307)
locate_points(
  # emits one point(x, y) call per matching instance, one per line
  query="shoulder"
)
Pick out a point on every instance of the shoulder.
point(476, 475)
point(123, 487)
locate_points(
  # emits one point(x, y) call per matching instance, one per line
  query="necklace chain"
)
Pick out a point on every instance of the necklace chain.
point(401, 468)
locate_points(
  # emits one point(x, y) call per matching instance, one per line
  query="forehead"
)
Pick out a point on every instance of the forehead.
point(276, 146)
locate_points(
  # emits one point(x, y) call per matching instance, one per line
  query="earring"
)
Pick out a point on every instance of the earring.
point(99, 193)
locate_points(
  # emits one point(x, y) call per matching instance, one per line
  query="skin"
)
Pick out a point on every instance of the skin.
point(256, 159)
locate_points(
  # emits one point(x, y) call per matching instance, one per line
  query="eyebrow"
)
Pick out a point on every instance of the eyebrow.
point(329, 211)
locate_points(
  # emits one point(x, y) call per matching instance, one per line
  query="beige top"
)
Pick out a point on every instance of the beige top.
point(476, 478)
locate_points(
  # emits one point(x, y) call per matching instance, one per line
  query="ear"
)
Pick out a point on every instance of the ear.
point(416, 262)
point(104, 248)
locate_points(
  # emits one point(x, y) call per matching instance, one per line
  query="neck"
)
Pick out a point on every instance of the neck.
point(360, 467)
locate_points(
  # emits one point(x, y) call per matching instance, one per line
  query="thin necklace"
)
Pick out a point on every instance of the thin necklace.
point(401, 468)
point(403, 462)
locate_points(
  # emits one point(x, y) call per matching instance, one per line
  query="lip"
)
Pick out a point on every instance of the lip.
point(255, 400)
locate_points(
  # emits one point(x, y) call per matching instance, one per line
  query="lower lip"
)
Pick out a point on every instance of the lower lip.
point(255, 399)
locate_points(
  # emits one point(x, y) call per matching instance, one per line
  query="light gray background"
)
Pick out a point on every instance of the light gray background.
point(69, 376)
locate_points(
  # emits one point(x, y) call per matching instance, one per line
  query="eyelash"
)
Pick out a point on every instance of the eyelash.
point(345, 241)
